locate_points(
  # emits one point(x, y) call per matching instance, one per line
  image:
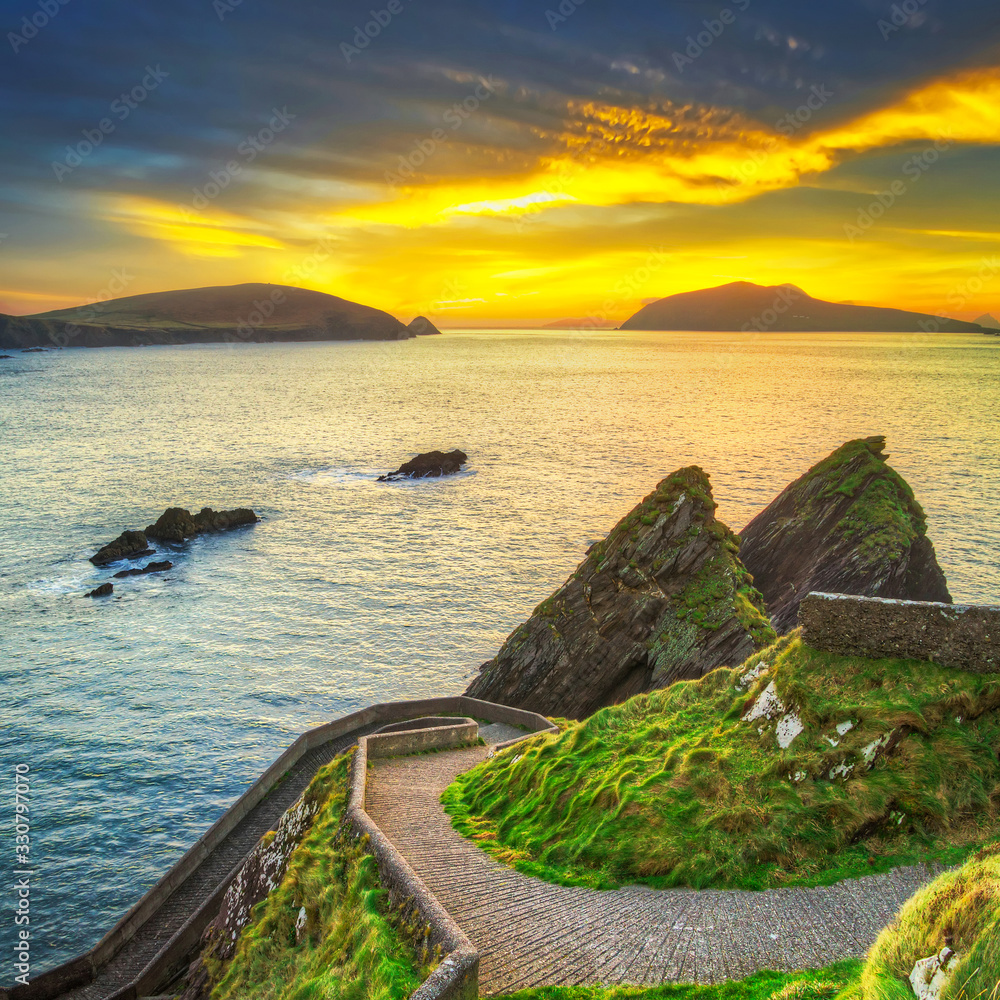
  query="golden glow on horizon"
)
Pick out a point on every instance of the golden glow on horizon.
point(214, 234)
point(522, 246)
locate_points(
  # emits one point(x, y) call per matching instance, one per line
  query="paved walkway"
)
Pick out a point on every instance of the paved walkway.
point(532, 933)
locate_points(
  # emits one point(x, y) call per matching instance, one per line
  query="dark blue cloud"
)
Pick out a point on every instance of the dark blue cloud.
point(228, 64)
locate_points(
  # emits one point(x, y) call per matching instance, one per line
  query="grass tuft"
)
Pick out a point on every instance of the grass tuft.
point(354, 944)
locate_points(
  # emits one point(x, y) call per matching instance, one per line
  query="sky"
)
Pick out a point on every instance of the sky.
point(508, 162)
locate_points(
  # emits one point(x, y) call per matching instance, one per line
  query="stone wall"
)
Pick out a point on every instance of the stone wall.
point(452, 733)
point(85, 968)
point(952, 635)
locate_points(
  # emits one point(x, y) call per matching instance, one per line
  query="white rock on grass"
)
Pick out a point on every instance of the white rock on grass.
point(768, 705)
point(841, 771)
point(873, 748)
point(745, 682)
point(930, 975)
point(842, 730)
point(300, 924)
point(789, 726)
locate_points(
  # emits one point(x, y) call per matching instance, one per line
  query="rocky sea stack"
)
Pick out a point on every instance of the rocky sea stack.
point(423, 327)
point(429, 465)
point(177, 524)
point(850, 525)
point(174, 525)
point(663, 598)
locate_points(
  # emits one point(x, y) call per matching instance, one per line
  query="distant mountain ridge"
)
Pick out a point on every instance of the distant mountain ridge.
point(220, 313)
point(744, 306)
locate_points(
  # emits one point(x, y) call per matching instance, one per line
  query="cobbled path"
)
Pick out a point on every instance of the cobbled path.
point(532, 933)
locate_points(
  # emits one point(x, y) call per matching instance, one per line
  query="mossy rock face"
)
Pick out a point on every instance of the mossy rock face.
point(850, 525)
point(663, 598)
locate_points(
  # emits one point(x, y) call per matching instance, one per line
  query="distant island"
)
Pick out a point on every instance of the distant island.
point(744, 306)
point(249, 312)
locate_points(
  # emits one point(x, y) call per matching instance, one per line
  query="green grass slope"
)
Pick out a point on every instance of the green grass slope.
point(351, 944)
point(885, 762)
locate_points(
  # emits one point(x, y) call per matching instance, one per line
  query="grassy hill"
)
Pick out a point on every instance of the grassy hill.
point(251, 311)
point(742, 305)
point(220, 306)
point(798, 768)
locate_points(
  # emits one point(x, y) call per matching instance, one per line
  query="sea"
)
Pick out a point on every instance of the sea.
point(139, 718)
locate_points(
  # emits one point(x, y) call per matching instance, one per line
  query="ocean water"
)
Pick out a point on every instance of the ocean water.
point(141, 717)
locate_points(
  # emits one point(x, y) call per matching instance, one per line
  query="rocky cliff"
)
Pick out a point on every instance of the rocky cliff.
point(850, 525)
point(663, 598)
point(251, 312)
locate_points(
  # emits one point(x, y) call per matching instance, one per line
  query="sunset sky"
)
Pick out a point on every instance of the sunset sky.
point(512, 162)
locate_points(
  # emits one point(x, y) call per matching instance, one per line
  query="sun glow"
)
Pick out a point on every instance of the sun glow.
point(570, 229)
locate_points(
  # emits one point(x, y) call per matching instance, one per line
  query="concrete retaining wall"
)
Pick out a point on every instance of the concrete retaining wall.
point(457, 732)
point(457, 977)
point(952, 635)
point(84, 969)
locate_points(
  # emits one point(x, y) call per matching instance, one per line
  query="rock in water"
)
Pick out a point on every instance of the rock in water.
point(177, 524)
point(153, 567)
point(850, 525)
point(433, 463)
point(423, 327)
point(663, 598)
point(128, 545)
point(104, 590)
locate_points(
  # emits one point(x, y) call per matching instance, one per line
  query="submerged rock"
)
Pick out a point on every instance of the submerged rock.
point(663, 598)
point(850, 525)
point(423, 327)
point(177, 524)
point(128, 545)
point(153, 567)
point(433, 463)
point(102, 591)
